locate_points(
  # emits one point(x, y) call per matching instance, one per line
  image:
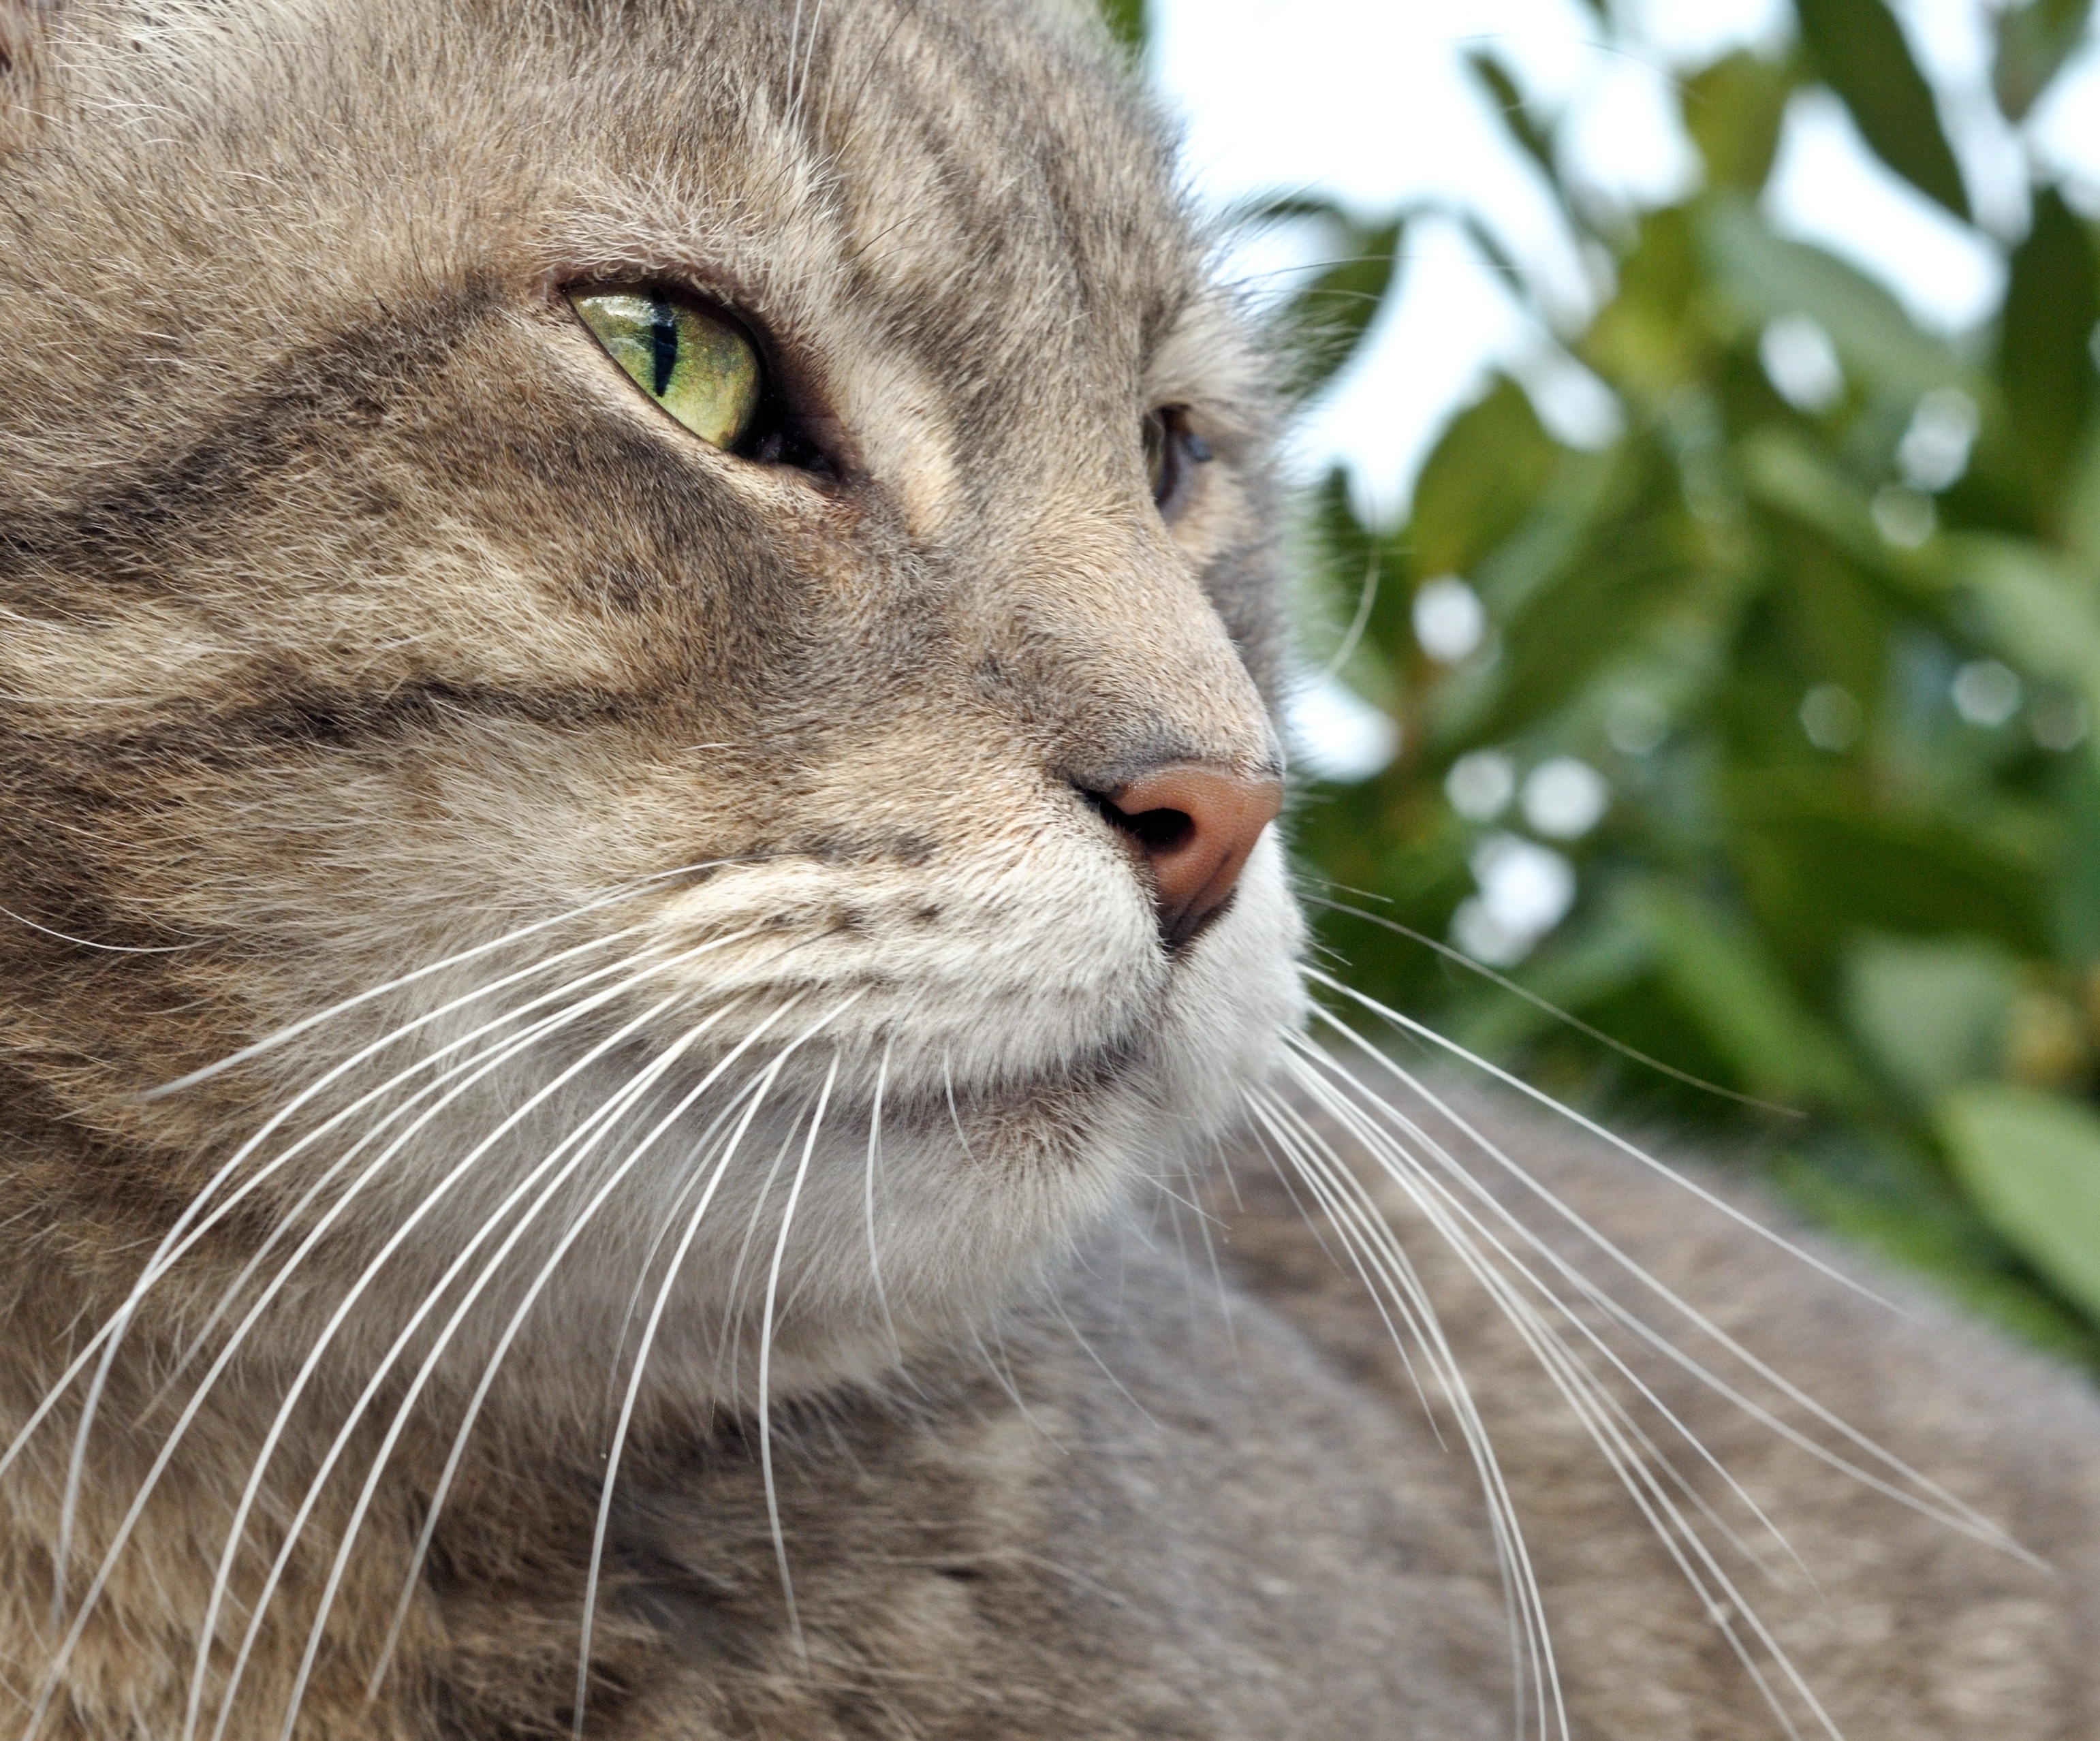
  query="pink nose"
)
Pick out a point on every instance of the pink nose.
point(1194, 826)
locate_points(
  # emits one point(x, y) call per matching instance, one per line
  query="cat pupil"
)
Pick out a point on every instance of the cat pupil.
point(663, 345)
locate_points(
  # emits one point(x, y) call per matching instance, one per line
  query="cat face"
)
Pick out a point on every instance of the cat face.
point(613, 847)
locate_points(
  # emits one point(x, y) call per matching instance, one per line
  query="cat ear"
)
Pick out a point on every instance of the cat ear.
point(24, 25)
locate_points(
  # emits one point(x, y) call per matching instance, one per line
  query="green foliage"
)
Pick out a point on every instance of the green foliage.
point(1127, 23)
point(1335, 308)
point(2034, 39)
point(1859, 48)
point(2033, 1162)
point(1825, 617)
point(2052, 304)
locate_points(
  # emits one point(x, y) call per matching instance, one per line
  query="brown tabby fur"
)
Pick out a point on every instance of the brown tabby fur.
point(355, 613)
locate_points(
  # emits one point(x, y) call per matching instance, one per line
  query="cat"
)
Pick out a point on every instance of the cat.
point(658, 1077)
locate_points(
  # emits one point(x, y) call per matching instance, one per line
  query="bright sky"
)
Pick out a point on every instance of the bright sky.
point(1369, 101)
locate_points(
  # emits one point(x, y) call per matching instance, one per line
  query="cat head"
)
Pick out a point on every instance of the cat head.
point(634, 639)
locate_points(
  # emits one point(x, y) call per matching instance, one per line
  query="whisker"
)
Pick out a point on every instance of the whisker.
point(695, 1171)
point(1407, 1025)
point(1268, 1119)
point(305, 1025)
point(955, 1118)
point(112, 949)
point(226, 1356)
point(1502, 981)
point(1108, 1371)
point(576, 1226)
point(1002, 1375)
point(1397, 1161)
point(181, 1237)
point(1603, 1418)
point(594, 1126)
point(874, 1151)
point(1364, 1231)
point(766, 1363)
point(1367, 1252)
point(574, 1231)
point(578, 1144)
point(729, 1342)
point(656, 1311)
point(501, 1052)
point(1203, 1221)
point(1943, 1507)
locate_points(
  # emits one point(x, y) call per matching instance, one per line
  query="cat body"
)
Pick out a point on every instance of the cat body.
point(587, 1005)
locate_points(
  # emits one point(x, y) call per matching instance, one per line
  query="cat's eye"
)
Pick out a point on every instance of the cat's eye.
point(1172, 450)
point(698, 365)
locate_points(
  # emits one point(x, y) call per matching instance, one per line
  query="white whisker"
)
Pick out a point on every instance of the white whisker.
point(195, 1405)
point(1408, 1025)
point(574, 1231)
point(1627, 1450)
point(696, 1170)
point(578, 1143)
point(728, 1341)
point(306, 1023)
point(1107, 1371)
point(765, 1362)
point(577, 1225)
point(1936, 1503)
point(1405, 1168)
point(182, 1236)
point(500, 1051)
point(1356, 1222)
point(656, 1311)
point(874, 1153)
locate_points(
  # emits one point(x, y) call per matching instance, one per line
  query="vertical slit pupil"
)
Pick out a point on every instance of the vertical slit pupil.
point(663, 345)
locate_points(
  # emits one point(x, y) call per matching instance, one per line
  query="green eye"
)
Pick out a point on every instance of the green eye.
point(694, 364)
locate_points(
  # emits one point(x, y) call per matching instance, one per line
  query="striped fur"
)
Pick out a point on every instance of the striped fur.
point(538, 950)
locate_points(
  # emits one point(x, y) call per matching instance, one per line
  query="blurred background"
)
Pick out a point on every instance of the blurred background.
point(1698, 534)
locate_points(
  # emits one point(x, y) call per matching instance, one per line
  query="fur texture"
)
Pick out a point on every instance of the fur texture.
point(540, 951)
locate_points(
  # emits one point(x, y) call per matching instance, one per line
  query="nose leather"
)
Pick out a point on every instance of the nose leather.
point(1192, 826)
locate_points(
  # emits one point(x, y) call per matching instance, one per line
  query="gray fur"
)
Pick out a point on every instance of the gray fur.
point(381, 676)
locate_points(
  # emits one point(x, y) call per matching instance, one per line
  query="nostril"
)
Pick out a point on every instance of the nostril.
point(1154, 830)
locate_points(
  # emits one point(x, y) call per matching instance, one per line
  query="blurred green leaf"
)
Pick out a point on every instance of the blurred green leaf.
point(1580, 580)
point(2075, 891)
point(1643, 340)
point(1721, 974)
point(2033, 1161)
point(1859, 47)
point(1733, 110)
point(1128, 22)
point(2034, 609)
point(1885, 1193)
point(1820, 865)
point(1824, 621)
point(1480, 482)
point(2033, 41)
point(1932, 1012)
point(1786, 472)
point(2045, 360)
point(1765, 277)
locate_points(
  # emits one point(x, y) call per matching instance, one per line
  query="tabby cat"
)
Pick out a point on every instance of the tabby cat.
point(658, 1081)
